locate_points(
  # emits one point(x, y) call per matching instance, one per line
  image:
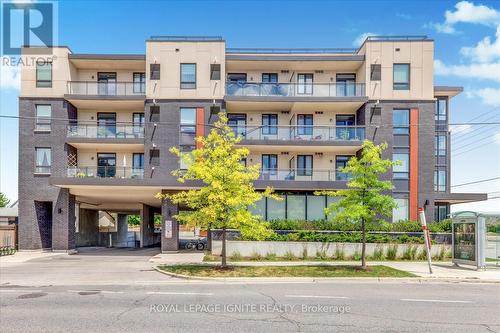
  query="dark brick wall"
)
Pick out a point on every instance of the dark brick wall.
point(36, 187)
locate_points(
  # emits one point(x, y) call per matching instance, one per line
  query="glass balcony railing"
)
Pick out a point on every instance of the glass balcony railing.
point(297, 174)
point(301, 133)
point(105, 172)
point(296, 89)
point(117, 131)
point(94, 88)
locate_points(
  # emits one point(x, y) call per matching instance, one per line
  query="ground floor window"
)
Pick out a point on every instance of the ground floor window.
point(401, 211)
point(293, 207)
point(441, 211)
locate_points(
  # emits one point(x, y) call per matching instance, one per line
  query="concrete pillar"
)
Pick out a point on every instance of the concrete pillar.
point(168, 209)
point(88, 228)
point(147, 226)
point(121, 235)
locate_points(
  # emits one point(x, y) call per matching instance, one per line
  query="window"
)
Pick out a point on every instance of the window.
point(43, 160)
point(237, 77)
point(343, 130)
point(138, 120)
point(137, 165)
point(440, 180)
point(154, 70)
point(106, 124)
point(295, 207)
point(269, 78)
point(305, 124)
point(106, 83)
point(375, 72)
point(305, 165)
point(154, 113)
point(44, 75)
point(440, 145)
point(441, 109)
point(269, 124)
point(186, 149)
point(401, 77)
point(305, 84)
point(340, 163)
point(441, 212)
point(188, 76)
point(400, 171)
point(154, 157)
point(269, 164)
point(106, 165)
point(188, 126)
point(315, 207)
point(401, 121)
point(400, 212)
point(43, 115)
point(139, 83)
point(276, 209)
point(238, 123)
point(214, 71)
point(346, 84)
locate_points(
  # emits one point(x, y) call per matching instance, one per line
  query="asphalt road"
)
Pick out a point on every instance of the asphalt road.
point(97, 292)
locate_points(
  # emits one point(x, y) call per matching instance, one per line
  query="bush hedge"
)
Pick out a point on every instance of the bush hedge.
point(352, 237)
point(401, 226)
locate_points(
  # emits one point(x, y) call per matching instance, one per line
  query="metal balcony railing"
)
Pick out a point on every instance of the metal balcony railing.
point(295, 89)
point(94, 88)
point(300, 133)
point(95, 131)
point(105, 172)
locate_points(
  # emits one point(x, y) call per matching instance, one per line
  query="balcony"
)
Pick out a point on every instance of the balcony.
point(105, 172)
point(117, 131)
point(303, 175)
point(301, 134)
point(106, 95)
point(296, 90)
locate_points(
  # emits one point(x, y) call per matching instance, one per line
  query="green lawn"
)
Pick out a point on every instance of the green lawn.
point(285, 271)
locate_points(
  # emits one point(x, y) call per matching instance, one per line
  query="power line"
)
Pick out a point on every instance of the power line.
point(477, 181)
point(488, 137)
point(479, 116)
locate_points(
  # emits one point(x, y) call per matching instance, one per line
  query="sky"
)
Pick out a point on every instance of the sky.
point(467, 53)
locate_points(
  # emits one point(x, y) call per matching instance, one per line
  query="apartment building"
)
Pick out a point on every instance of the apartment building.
point(97, 129)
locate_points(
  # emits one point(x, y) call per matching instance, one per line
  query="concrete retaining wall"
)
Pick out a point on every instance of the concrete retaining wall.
point(250, 248)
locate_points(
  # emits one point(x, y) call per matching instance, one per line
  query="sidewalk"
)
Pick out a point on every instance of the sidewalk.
point(24, 256)
point(441, 270)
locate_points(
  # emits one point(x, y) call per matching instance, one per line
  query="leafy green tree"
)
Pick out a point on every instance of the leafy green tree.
point(228, 192)
point(134, 220)
point(364, 200)
point(4, 201)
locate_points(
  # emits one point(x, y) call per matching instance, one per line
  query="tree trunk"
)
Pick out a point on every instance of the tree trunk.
point(209, 239)
point(223, 252)
point(363, 246)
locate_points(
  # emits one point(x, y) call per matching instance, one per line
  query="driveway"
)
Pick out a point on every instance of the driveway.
point(99, 266)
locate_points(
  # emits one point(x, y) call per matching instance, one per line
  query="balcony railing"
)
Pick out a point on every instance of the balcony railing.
point(105, 172)
point(301, 133)
point(296, 89)
point(300, 175)
point(94, 88)
point(117, 131)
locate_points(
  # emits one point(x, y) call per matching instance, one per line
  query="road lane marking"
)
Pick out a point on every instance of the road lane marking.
point(95, 291)
point(316, 296)
point(177, 293)
point(19, 291)
point(433, 300)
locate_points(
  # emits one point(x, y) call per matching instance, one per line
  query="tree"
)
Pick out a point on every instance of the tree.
point(4, 201)
point(363, 201)
point(228, 192)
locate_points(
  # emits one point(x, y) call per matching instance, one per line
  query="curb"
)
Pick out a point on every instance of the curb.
point(326, 279)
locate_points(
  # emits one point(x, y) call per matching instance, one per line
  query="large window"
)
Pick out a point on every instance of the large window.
point(401, 76)
point(269, 164)
point(315, 207)
point(44, 75)
point(269, 78)
point(441, 109)
point(137, 165)
point(441, 212)
point(139, 83)
point(188, 76)
point(43, 115)
point(401, 211)
point(305, 84)
point(276, 209)
point(305, 124)
point(340, 163)
point(186, 149)
point(440, 145)
point(401, 121)
point(269, 124)
point(401, 170)
point(305, 165)
point(440, 180)
point(43, 160)
point(187, 132)
point(295, 207)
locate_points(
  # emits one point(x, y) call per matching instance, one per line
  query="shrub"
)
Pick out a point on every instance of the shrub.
point(270, 256)
point(289, 256)
point(236, 255)
point(423, 254)
point(378, 253)
point(256, 256)
point(304, 253)
point(321, 255)
point(410, 253)
point(356, 255)
point(392, 252)
point(339, 253)
point(134, 220)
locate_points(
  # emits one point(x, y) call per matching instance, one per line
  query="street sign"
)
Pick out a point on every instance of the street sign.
point(168, 228)
point(423, 222)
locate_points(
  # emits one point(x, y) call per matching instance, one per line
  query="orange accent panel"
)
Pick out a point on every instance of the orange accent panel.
point(414, 164)
point(200, 121)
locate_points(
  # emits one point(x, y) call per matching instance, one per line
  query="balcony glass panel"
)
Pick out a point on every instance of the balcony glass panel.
point(301, 89)
point(117, 131)
point(106, 88)
point(105, 172)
